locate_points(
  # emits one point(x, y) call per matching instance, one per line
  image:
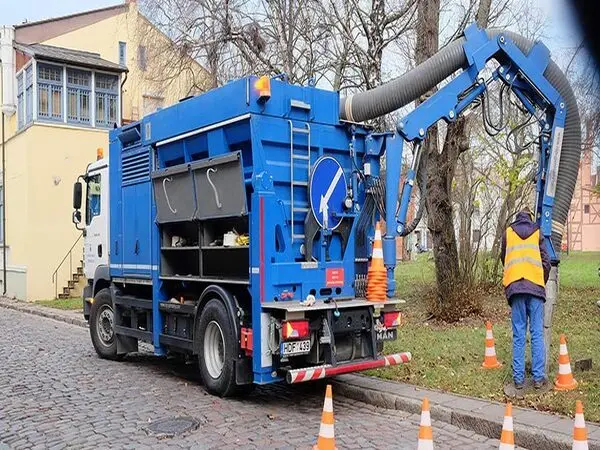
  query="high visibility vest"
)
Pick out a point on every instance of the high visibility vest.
point(523, 260)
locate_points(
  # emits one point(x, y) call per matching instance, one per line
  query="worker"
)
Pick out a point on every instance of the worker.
point(526, 270)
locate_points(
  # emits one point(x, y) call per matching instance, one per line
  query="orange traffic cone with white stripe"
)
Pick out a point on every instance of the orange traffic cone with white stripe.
point(377, 275)
point(425, 430)
point(326, 439)
point(490, 361)
point(579, 431)
point(507, 438)
point(564, 381)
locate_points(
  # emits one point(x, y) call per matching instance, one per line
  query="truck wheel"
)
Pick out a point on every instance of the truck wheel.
point(102, 319)
point(216, 349)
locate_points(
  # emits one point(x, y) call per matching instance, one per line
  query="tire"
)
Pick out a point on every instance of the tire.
point(217, 350)
point(101, 326)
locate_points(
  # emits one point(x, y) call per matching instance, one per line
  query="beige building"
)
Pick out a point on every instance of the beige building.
point(65, 82)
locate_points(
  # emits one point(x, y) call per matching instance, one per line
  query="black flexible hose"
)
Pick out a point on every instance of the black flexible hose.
point(410, 86)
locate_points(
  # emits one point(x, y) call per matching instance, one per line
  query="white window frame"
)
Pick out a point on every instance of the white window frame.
point(119, 115)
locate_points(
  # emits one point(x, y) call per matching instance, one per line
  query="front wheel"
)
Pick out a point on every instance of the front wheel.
point(216, 349)
point(102, 322)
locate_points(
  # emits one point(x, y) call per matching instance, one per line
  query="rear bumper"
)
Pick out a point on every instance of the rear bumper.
point(315, 373)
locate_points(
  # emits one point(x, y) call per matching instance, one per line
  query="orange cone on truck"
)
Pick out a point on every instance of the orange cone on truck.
point(377, 275)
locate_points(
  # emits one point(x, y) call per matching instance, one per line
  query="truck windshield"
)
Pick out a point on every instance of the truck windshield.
point(92, 198)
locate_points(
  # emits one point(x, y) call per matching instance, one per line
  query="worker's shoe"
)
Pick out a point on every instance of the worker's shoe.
point(540, 384)
point(520, 386)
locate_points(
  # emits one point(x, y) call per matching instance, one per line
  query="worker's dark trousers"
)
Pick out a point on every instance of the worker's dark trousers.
point(528, 307)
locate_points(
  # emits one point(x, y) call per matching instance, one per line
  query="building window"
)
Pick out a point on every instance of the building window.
point(79, 93)
point(142, 60)
point(107, 99)
point(123, 53)
point(50, 92)
point(586, 209)
point(20, 102)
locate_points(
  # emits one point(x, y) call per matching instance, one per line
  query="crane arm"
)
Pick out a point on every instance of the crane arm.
point(524, 75)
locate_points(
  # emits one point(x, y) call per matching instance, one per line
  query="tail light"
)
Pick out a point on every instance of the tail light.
point(295, 329)
point(392, 319)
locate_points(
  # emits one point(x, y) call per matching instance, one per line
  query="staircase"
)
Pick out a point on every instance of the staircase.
point(74, 287)
point(75, 279)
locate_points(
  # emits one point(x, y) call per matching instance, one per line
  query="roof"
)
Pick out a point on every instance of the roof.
point(76, 57)
point(69, 16)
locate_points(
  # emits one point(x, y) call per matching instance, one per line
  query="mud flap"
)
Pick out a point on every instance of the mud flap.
point(243, 371)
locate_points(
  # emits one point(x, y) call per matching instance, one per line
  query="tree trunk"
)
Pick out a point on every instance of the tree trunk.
point(441, 168)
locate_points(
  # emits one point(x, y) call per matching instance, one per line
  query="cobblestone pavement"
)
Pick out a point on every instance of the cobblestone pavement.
point(56, 393)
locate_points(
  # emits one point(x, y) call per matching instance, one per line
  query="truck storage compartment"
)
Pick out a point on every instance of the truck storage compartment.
point(221, 261)
point(219, 184)
point(174, 194)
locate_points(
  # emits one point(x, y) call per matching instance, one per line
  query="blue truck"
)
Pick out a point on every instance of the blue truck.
point(237, 226)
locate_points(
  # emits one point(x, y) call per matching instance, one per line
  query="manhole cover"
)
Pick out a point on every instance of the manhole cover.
point(172, 426)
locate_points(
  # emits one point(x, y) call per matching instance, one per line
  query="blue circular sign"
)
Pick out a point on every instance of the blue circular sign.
point(328, 189)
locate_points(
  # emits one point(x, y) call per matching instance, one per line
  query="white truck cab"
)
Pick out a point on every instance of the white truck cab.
point(94, 223)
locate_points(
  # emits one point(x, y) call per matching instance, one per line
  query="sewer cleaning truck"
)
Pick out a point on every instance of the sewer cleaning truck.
point(238, 226)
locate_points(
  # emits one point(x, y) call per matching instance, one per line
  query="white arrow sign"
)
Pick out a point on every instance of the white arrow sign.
point(325, 198)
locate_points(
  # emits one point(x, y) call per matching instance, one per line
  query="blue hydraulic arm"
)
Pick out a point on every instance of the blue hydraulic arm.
point(524, 75)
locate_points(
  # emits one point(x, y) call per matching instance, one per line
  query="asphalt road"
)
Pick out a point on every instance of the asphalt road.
point(56, 393)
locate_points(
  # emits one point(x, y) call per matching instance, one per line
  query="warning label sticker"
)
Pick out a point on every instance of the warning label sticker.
point(334, 277)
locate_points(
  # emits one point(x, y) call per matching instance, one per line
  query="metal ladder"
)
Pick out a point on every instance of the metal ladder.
point(298, 183)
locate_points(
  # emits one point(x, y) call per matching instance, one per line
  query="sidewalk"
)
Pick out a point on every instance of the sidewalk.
point(73, 317)
point(533, 429)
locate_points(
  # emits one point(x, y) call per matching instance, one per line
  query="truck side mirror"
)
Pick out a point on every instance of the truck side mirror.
point(76, 217)
point(77, 190)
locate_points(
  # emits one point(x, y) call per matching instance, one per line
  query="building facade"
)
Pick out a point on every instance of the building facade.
point(65, 82)
point(583, 222)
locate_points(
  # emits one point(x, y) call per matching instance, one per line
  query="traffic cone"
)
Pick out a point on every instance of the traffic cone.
point(490, 361)
point(326, 439)
point(507, 438)
point(377, 275)
point(579, 432)
point(564, 381)
point(425, 430)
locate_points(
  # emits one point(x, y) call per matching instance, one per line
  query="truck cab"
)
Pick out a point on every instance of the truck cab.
point(91, 194)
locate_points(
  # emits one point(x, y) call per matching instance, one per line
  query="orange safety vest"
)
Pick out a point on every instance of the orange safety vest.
point(523, 260)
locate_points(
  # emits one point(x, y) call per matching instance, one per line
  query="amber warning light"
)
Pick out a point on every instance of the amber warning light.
point(263, 87)
point(99, 153)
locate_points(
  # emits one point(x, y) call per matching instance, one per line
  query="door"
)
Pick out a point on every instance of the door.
point(95, 247)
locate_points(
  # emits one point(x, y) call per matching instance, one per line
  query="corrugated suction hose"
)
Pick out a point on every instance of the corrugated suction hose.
point(410, 86)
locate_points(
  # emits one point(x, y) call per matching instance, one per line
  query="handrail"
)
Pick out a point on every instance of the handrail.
point(70, 256)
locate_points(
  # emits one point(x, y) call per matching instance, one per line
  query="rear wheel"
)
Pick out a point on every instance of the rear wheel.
point(217, 350)
point(102, 322)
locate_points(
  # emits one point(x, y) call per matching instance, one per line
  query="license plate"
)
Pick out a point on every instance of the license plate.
point(295, 348)
point(387, 335)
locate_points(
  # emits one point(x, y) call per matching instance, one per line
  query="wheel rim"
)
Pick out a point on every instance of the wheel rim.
point(105, 325)
point(214, 349)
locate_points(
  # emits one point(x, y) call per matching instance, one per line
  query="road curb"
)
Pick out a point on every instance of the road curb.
point(534, 430)
point(42, 311)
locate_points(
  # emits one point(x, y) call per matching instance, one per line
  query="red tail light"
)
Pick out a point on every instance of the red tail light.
point(295, 329)
point(392, 319)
